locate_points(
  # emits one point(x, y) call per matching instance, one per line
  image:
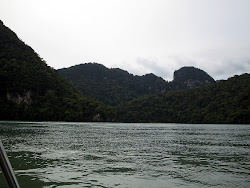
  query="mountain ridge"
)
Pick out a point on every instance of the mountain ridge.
point(93, 80)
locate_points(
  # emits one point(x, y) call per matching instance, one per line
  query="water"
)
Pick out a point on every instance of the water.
point(54, 154)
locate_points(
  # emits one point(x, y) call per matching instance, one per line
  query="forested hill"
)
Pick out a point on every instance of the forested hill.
point(223, 102)
point(114, 86)
point(30, 90)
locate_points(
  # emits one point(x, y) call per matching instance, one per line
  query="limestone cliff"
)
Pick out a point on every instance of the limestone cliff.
point(20, 98)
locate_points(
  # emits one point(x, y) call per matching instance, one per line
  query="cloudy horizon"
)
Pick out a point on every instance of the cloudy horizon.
point(139, 36)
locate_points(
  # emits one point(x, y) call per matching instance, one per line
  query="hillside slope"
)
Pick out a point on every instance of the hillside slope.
point(30, 90)
point(224, 102)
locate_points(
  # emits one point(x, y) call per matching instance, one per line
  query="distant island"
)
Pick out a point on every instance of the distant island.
point(31, 90)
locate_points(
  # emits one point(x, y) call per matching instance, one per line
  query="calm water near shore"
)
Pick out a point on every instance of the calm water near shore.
point(58, 154)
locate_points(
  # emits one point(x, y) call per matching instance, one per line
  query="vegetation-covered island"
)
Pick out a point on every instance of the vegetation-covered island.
point(31, 90)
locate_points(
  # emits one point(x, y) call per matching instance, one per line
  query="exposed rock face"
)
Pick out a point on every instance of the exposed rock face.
point(192, 77)
point(24, 98)
point(97, 117)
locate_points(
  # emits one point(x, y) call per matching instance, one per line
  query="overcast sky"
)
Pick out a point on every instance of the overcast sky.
point(140, 36)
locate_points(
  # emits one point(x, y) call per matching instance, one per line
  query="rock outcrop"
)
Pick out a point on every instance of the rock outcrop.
point(191, 77)
point(17, 98)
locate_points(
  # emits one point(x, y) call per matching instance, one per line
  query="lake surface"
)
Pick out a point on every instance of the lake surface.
point(55, 154)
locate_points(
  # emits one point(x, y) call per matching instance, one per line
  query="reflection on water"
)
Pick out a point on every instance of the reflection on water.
point(52, 154)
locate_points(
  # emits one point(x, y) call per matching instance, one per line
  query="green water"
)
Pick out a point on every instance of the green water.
point(54, 154)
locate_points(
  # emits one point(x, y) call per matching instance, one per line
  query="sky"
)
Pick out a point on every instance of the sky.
point(140, 36)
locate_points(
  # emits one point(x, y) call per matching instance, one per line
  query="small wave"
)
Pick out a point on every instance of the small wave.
point(92, 157)
point(115, 169)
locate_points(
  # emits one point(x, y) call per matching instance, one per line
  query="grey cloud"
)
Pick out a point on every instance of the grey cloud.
point(229, 68)
point(152, 65)
point(219, 67)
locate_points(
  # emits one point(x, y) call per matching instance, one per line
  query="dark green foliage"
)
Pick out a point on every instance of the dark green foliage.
point(30, 90)
point(223, 102)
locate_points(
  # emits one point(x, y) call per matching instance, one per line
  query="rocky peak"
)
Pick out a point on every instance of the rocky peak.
point(192, 77)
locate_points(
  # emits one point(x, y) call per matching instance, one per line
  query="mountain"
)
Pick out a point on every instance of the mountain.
point(31, 90)
point(114, 86)
point(223, 102)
